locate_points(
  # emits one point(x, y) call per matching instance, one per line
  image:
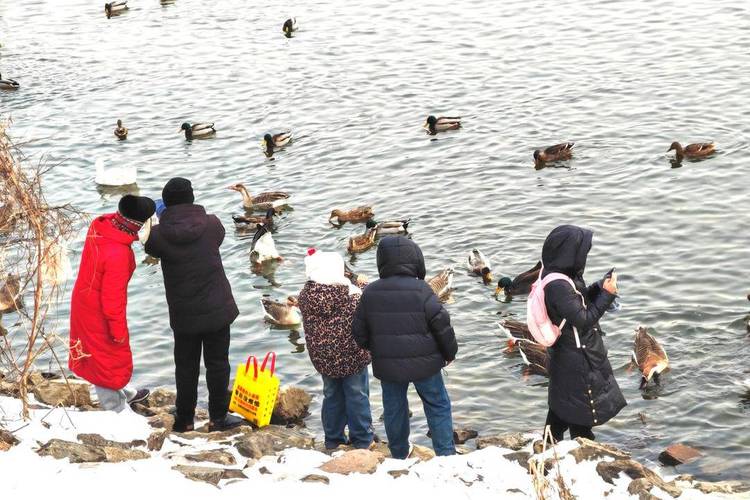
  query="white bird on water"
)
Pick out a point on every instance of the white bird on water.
point(114, 176)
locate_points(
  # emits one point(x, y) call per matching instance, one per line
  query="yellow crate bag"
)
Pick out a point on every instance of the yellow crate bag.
point(254, 392)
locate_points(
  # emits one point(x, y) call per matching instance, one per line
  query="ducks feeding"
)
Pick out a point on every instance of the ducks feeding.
point(245, 222)
point(442, 284)
point(262, 201)
point(263, 248)
point(356, 215)
point(121, 132)
point(197, 130)
point(698, 150)
point(114, 176)
point(388, 227)
point(521, 285)
point(362, 242)
point(271, 143)
point(115, 8)
point(10, 294)
point(650, 357)
point(441, 124)
point(558, 152)
point(282, 313)
point(289, 27)
point(480, 265)
point(8, 83)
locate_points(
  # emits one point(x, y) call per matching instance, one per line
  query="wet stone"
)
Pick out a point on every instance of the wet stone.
point(209, 475)
point(75, 452)
point(513, 441)
point(354, 461)
point(115, 454)
point(160, 398)
point(60, 393)
point(591, 450)
point(677, 454)
point(156, 440)
point(97, 440)
point(315, 478)
point(398, 473)
point(220, 457)
point(291, 407)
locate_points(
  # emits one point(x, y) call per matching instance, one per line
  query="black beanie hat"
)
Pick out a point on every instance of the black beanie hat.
point(177, 191)
point(137, 208)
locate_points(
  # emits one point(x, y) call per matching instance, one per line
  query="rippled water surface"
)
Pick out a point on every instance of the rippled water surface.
point(621, 79)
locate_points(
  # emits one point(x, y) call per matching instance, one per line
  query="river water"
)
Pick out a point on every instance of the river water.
point(621, 79)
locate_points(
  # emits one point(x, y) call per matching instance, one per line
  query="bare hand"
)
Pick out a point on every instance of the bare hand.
point(610, 284)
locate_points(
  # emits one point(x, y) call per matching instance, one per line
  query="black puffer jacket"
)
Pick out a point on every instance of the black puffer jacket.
point(582, 388)
point(187, 241)
point(400, 320)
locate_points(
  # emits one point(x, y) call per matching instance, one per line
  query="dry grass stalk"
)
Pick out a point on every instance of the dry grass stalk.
point(543, 489)
point(32, 239)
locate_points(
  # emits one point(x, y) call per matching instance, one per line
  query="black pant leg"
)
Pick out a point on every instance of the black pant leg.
point(557, 426)
point(187, 362)
point(216, 360)
point(581, 431)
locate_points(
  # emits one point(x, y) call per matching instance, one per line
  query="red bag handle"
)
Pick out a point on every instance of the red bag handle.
point(272, 355)
point(255, 366)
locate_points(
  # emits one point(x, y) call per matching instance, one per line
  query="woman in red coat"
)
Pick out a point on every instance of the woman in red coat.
point(99, 339)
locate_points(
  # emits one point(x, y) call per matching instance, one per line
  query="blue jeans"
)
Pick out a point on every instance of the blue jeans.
point(346, 402)
point(437, 409)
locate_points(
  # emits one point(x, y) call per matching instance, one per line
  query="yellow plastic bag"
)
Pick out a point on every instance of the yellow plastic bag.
point(254, 393)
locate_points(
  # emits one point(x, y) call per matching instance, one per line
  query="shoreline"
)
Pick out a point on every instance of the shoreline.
point(60, 448)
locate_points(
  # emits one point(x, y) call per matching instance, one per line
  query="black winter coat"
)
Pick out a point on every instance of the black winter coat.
point(400, 319)
point(582, 388)
point(199, 296)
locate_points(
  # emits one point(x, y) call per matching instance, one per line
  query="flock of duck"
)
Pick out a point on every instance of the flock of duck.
point(261, 208)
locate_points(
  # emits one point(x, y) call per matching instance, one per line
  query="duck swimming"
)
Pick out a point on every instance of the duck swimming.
point(557, 152)
point(698, 150)
point(289, 27)
point(521, 285)
point(115, 8)
point(271, 143)
point(650, 357)
point(361, 243)
point(388, 227)
point(263, 248)
point(8, 83)
point(480, 265)
point(121, 132)
point(282, 313)
point(10, 294)
point(442, 284)
point(245, 222)
point(197, 130)
point(355, 215)
point(441, 124)
point(535, 357)
point(261, 201)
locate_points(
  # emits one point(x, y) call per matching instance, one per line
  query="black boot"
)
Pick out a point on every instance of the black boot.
point(225, 423)
point(182, 426)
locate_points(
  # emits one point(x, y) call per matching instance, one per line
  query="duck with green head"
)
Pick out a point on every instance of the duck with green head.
point(522, 283)
point(441, 124)
point(197, 130)
point(272, 143)
point(289, 27)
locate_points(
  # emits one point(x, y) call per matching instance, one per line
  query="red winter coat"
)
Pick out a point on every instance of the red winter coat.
point(98, 307)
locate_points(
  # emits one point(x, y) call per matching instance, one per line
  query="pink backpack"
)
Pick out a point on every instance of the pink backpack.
point(540, 326)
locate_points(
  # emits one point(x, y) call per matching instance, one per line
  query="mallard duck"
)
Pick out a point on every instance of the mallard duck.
point(649, 356)
point(10, 294)
point(121, 132)
point(442, 284)
point(355, 215)
point(388, 227)
point(197, 130)
point(114, 176)
point(115, 8)
point(244, 222)
point(480, 265)
point(282, 313)
point(263, 248)
point(271, 143)
point(261, 201)
point(557, 152)
point(535, 357)
point(8, 83)
point(698, 150)
point(521, 285)
point(361, 242)
point(289, 27)
point(441, 124)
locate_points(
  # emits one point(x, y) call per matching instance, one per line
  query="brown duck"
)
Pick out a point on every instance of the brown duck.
point(250, 222)
point(518, 332)
point(535, 357)
point(650, 357)
point(261, 201)
point(362, 242)
point(698, 150)
point(521, 284)
point(355, 215)
point(282, 313)
point(10, 294)
point(557, 152)
point(442, 284)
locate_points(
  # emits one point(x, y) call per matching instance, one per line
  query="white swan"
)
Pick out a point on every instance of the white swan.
point(115, 176)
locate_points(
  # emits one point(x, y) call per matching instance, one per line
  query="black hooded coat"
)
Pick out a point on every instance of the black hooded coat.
point(199, 296)
point(399, 318)
point(582, 389)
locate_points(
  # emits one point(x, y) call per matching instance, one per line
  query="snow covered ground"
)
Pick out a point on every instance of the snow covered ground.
point(477, 475)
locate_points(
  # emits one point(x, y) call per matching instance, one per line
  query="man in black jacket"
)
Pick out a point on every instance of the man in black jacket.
point(402, 323)
point(201, 305)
